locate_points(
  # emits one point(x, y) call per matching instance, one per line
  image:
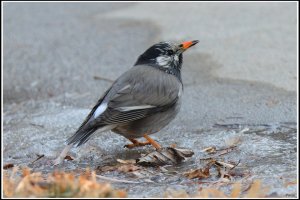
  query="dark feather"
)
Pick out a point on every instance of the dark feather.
point(81, 136)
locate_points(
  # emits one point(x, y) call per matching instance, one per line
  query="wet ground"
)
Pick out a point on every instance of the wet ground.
point(59, 58)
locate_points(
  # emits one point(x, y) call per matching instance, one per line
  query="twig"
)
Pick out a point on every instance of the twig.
point(37, 125)
point(225, 164)
point(115, 180)
point(236, 165)
point(226, 150)
point(39, 157)
point(102, 78)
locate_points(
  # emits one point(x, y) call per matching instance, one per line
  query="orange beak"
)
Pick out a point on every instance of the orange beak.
point(188, 44)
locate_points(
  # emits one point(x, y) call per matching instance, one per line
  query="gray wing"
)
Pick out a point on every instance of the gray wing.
point(140, 92)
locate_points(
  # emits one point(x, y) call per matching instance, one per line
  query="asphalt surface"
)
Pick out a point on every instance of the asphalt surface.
point(60, 57)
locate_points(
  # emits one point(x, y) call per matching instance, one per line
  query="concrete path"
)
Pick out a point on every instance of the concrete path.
point(60, 57)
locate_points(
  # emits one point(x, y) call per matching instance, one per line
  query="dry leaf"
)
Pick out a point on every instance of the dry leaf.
point(126, 161)
point(256, 190)
point(236, 190)
point(8, 186)
point(59, 184)
point(176, 194)
point(165, 156)
point(198, 173)
point(119, 167)
point(173, 145)
point(210, 149)
point(106, 168)
point(211, 192)
point(7, 166)
point(289, 183)
point(69, 158)
point(128, 168)
point(225, 150)
point(230, 166)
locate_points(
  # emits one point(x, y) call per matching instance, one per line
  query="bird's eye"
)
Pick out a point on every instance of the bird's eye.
point(170, 52)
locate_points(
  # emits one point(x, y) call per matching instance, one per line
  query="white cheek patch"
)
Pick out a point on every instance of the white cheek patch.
point(163, 61)
point(176, 58)
point(100, 110)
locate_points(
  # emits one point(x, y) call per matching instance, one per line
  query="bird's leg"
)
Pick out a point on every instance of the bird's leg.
point(136, 143)
point(152, 142)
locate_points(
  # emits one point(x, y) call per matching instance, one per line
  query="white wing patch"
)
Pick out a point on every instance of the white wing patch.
point(100, 110)
point(125, 87)
point(129, 108)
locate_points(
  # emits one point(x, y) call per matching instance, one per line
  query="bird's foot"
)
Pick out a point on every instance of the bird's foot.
point(152, 142)
point(136, 143)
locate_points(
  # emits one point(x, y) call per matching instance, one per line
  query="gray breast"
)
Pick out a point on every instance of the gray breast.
point(160, 86)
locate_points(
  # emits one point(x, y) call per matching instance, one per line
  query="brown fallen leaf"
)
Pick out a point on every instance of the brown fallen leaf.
point(165, 156)
point(289, 183)
point(69, 158)
point(210, 149)
point(128, 168)
point(25, 172)
point(217, 193)
point(7, 166)
point(198, 173)
point(239, 172)
point(236, 190)
point(224, 164)
point(256, 190)
point(218, 152)
point(59, 184)
point(225, 150)
point(224, 175)
point(170, 193)
point(126, 161)
point(119, 167)
point(212, 192)
point(106, 168)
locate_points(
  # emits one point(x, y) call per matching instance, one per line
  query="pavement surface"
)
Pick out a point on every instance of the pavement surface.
point(240, 81)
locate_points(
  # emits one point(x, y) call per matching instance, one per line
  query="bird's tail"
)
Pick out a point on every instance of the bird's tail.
point(83, 134)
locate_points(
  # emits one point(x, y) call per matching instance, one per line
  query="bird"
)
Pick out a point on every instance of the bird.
point(142, 101)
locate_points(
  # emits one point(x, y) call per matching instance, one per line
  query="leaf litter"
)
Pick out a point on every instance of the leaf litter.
point(255, 190)
point(215, 167)
point(57, 184)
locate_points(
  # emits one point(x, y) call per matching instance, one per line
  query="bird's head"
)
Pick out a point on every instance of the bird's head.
point(165, 55)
